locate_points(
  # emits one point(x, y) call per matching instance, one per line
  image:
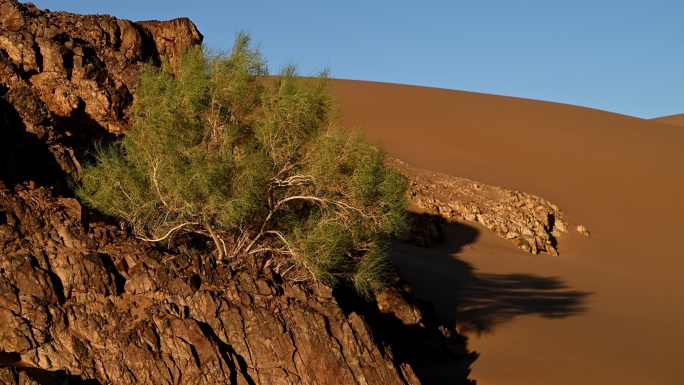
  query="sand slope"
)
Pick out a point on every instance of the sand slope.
point(622, 177)
point(675, 120)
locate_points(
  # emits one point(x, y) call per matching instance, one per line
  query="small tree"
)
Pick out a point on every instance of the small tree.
point(254, 162)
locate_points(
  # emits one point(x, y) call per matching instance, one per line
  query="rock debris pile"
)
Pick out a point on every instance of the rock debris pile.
point(530, 222)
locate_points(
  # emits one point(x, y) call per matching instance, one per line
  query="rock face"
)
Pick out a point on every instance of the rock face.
point(67, 79)
point(531, 222)
point(99, 305)
point(83, 302)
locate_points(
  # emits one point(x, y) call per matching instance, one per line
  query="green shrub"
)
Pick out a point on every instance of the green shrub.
point(255, 162)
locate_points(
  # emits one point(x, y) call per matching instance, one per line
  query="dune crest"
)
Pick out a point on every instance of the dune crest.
point(675, 120)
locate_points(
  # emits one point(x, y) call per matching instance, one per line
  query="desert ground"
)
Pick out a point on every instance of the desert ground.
point(675, 120)
point(609, 308)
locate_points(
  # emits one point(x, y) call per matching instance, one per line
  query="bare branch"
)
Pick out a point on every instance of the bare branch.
point(294, 180)
point(282, 238)
point(221, 249)
point(155, 164)
point(321, 201)
point(310, 198)
point(118, 184)
point(169, 233)
point(292, 251)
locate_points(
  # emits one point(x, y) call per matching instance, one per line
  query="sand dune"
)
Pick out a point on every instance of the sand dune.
point(675, 120)
point(615, 298)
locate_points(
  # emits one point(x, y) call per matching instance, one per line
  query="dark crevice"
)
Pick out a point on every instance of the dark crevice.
point(117, 38)
point(227, 353)
point(57, 285)
point(194, 282)
point(69, 63)
point(195, 355)
point(552, 225)
point(411, 344)
point(119, 280)
point(61, 38)
point(29, 156)
point(351, 302)
point(148, 49)
point(552, 221)
point(39, 58)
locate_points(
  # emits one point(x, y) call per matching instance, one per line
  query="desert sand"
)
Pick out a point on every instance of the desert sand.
point(675, 120)
point(609, 309)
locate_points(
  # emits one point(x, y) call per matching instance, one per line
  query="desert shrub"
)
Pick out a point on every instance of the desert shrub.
point(254, 162)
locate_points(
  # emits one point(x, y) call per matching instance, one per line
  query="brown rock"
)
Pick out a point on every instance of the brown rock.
point(11, 18)
point(104, 306)
point(63, 74)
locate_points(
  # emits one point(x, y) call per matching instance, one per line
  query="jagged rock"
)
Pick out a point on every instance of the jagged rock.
point(99, 305)
point(67, 79)
point(530, 222)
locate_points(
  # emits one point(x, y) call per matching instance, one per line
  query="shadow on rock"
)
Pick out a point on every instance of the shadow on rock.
point(52, 160)
point(407, 328)
point(23, 156)
point(13, 371)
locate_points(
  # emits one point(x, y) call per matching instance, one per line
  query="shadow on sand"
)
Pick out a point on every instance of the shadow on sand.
point(476, 302)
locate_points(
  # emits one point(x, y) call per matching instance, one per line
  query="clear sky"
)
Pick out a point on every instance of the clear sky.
point(624, 56)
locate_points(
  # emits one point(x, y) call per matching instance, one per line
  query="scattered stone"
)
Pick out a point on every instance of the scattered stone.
point(583, 230)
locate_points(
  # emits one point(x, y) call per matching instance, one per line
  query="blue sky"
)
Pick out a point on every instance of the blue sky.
point(624, 56)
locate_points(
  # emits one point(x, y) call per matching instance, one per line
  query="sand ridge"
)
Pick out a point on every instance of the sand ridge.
point(675, 120)
point(623, 177)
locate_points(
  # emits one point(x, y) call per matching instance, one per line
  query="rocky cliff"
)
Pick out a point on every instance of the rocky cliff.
point(95, 304)
point(83, 302)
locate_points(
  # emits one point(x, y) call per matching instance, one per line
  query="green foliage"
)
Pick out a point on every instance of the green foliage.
point(255, 162)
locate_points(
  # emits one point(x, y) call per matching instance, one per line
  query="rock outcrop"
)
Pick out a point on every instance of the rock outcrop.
point(66, 80)
point(530, 222)
point(97, 304)
point(83, 302)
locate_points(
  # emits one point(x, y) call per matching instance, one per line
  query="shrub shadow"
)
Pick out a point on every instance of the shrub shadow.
point(473, 302)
